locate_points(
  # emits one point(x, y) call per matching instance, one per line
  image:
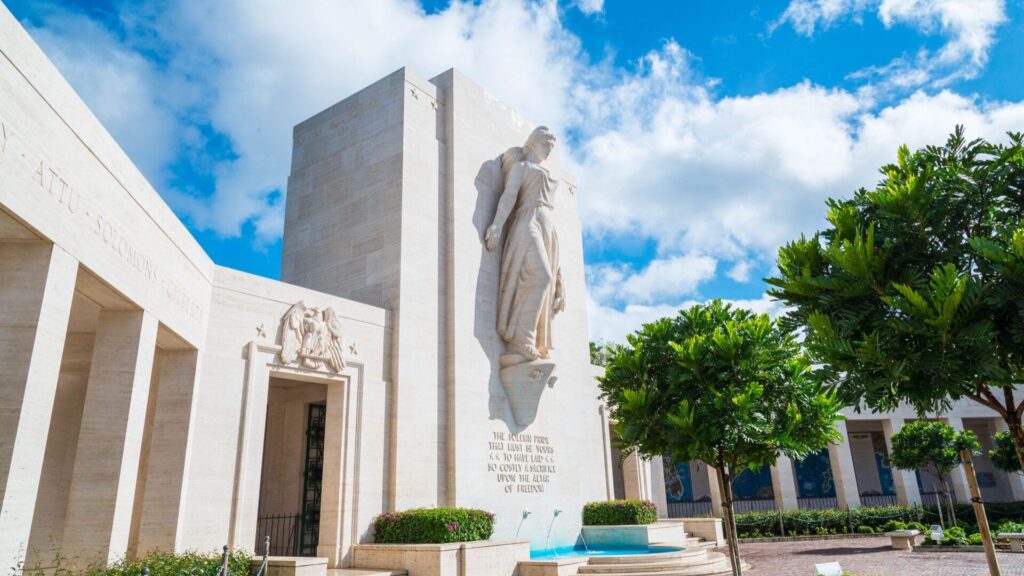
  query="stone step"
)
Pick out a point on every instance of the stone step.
point(654, 557)
point(716, 564)
point(645, 567)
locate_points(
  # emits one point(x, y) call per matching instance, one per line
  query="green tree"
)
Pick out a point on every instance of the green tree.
point(600, 352)
point(916, 291)
point(1003, 454)
point(933, 447)
point(721, 385)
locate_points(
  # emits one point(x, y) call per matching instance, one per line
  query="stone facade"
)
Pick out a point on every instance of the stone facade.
point(151, 399)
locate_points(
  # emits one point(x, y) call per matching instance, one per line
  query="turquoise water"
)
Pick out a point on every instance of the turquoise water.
point(571, 552)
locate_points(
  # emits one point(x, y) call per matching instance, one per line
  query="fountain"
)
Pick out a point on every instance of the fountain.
point(552, 523)
point(526, 514)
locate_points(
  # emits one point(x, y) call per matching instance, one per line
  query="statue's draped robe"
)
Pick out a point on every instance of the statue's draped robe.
point(529, 262)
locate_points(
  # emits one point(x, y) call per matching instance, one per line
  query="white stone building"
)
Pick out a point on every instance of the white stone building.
point(150, 399)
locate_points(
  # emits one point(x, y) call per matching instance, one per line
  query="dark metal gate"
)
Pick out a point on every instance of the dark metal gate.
point(299, 534)
point(309, 529)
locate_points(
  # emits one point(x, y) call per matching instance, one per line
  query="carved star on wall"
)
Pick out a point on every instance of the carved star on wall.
point(261, 330)
point(414, 94)
point(352, 348)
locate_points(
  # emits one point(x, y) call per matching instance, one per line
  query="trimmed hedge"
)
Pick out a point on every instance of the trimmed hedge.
point(822, 522)
point(620, 513)
point(433, 526)
point(159, 564)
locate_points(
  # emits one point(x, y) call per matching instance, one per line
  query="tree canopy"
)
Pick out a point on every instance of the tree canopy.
point(718, 384)
point(933, 447)
point(916, 291)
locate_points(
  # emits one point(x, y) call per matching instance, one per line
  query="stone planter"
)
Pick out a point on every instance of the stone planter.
point(710, 529)
point(905, 539)
point(663, 533)
point(483, 558)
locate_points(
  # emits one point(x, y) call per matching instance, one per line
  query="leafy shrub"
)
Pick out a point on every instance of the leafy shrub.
point(620, 513)
point(1010, 526)
point(159, 564)
point(833, 521)
point(917, 526)
point(433, 526)
point(954, 536)
point(865, 530)
point(893, 525)
point(974, 539)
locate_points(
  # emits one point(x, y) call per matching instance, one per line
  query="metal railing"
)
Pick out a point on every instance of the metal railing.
point(283, 532)
point(754, 505)
point(689, 509)
point(817, 502)
point(878, 500)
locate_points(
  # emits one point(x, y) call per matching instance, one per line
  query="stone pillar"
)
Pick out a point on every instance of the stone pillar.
point(609, 465)
point(657, 484)
point(958, 478)
point(336, 537)
point(1014, 479)
point(714, 491)
point(847, 495)
point(35, 304)
point(907, 491)
point(784, 484)
point(102, 492)
point(635, 475)
point(160, 517)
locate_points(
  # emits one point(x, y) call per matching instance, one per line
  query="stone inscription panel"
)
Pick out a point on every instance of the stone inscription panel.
point(521, 463)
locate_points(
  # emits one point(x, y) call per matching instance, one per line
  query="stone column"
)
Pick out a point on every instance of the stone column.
point(102, 492)
point(35, 304)
point(847, 495)
point(907, 491)
point(336, 537)
point(160, 521)
point(1014, 479)
point(609, 465)
point(958, 478)
point(784, 484)
point(635, 474)
point(714, 491)
point(657, 486)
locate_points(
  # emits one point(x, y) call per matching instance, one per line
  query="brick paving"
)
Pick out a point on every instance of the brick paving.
point(868, 557)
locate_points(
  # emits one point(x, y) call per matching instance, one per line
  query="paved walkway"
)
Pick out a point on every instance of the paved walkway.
point(868, 557)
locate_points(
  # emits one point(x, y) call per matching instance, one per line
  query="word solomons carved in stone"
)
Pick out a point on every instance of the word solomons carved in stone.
point(311, 338)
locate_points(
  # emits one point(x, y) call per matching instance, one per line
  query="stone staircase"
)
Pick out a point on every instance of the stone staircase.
point(698, 560)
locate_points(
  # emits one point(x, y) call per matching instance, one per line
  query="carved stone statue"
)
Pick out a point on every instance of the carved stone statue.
point(530, 289)
point(311, 338)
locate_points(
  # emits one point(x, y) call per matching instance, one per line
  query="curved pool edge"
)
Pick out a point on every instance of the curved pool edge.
point(584, 554)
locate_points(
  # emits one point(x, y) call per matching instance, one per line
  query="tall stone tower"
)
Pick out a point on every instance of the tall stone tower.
point(389, 199)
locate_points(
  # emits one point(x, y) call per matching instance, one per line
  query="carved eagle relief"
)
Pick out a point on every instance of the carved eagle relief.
point(311, 338)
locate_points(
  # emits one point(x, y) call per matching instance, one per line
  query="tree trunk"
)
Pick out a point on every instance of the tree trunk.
point(1017, 434)
point(949, 501)
point(731, 540)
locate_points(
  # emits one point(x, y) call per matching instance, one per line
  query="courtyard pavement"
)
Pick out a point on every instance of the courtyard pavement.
point(868, 557)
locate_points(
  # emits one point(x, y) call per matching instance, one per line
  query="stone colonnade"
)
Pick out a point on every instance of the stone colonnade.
point(644, 478)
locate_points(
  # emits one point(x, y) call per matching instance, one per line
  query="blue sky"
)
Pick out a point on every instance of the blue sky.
point(704, 134)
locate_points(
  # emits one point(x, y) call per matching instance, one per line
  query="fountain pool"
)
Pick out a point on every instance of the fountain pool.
point(573, 552)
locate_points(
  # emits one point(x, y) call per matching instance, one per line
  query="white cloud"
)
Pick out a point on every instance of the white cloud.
point(717, 182)
point(590, 7)
point(740, 271)
point(661, 278)
point(967, 25)
point(611, 324)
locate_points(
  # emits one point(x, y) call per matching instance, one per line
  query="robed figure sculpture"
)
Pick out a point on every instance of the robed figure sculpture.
point(530, 289)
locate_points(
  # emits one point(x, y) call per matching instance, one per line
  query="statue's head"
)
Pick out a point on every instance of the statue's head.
point(540, 143)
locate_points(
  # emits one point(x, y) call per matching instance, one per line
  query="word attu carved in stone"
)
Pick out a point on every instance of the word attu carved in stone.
point(311, 338)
